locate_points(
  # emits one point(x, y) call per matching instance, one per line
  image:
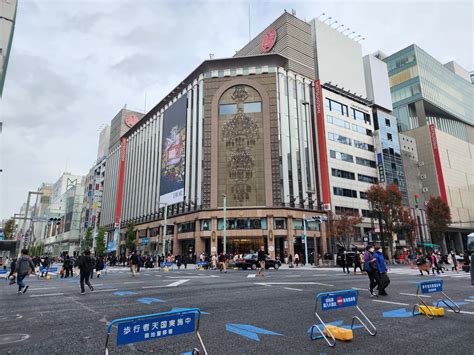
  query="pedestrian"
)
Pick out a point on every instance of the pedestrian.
point(370, 267)
point(86, 266)
point(134, 263)
point(345, 262)
point(185, 262)
point(11, 275)
point(453, 262)
point(222, 263)
point(434, 263)
point(290, 261)
point(24, 266)
point(214, 262)
point(297, 259)
point(382, 278)
point(423, 264)
point(261, 255)
point(44, 266)
point(99, 266)
point(178, 261)
point(357, 262)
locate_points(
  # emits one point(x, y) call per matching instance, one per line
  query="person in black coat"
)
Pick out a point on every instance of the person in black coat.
point(86, 265)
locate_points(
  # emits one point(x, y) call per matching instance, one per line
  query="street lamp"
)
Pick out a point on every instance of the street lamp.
point(225, 223)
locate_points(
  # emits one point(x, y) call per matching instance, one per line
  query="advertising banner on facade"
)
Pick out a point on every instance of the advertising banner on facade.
point(173, 153)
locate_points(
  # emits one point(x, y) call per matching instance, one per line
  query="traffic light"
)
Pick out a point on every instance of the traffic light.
point(417, 200)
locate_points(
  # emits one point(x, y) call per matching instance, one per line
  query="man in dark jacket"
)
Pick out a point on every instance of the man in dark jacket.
point(24, 266)
point(86, 265)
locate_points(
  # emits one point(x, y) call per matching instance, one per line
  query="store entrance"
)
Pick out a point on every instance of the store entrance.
point(242, 245)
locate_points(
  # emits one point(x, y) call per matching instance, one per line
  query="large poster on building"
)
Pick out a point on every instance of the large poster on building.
point(173, 153)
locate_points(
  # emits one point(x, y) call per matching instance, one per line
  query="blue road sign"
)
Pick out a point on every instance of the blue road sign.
point(248, 331)
point(336, 300)
point(151, 328)
point(177, 309)
point(431, 286)
point(149, 300)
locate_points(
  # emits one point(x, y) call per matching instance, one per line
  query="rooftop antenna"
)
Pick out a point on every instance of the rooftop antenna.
point(211, 55)
point(321, 15)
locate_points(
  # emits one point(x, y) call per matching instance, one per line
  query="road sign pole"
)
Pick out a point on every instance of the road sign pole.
point(305, 240)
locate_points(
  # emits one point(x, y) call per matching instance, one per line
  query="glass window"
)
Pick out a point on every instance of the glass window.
point(227, 109)
point(338, 122)
point(251, 107)
point(339, 191)
point(341, 156)
point(363, 195)
point(364, 146)
point(297, 223)
point(361, 116)
point(312, 226)
point(343, 174)
point(205, 224)
point(340, 139)
point(279, 223)
point(387, 122)
point(366, 178)
point(346, 210)
point(389, 136)
point(365, 162)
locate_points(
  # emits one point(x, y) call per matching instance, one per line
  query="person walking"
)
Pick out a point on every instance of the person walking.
point(297, 259)
point(99, 266)
point(134, 263)
point(24, 266)
point(290, 261)
point(423, 264)
point(261, 255)
point(86, 266)
point(222, 263)
point(382, 278)
point(453, 261)
point(357, 262)
point(11, 275)
point(345, 262)
point(370, 267)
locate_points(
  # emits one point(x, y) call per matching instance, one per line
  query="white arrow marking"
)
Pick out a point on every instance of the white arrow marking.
point(177, 283)
point(292, 289)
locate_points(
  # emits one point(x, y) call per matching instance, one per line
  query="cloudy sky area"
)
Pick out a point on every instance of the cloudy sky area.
point(75, 63)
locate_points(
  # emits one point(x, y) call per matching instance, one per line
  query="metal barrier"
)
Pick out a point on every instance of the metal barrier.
point(336, 300)
point(4, 273)
point(433, 286)
point(156, 326)
point(48, 270)
point(202, 264)
point(167, 264)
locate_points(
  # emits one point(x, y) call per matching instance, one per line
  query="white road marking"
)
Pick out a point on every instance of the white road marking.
point(294, 283)
point(177, 283)
point(192, 277)
point(469, 300)
point(145, 287)
point(399, 303)
point(251, 275)
point(292, 289)
point(48, 294)
point(134, 282)
point(41, 288)
point(466, 312)
point(262, 284)
point(360, 289)
point(412, 294)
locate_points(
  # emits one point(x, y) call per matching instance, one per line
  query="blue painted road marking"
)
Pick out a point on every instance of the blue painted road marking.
point(149, 300)
point(337, 323)
point(176, 309)
point(399, 313)
point(248, 331)
point(124, 293)
point(471, 297)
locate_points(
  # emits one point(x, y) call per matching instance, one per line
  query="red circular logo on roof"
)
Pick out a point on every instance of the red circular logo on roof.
point(339, 301)
point(131, 120)
point(268, 40)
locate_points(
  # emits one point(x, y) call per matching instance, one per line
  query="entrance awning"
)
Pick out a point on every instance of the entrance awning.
point(429, 245)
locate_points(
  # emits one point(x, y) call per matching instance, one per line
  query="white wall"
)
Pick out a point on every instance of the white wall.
point(376, 81)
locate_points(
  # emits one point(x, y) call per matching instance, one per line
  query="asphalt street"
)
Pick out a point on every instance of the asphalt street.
point(53, 318)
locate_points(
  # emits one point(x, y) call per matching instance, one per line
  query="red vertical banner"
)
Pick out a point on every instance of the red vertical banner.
point(118, 206)
point(437, 160)
point(321, 132)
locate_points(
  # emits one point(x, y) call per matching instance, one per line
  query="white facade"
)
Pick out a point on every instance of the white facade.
point(8, 10)
point(104, 139)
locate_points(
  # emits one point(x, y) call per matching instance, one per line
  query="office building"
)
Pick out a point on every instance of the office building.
point(8, 9)
point(435, 106)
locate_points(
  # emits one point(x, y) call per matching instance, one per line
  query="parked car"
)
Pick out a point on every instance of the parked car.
point(250, 261)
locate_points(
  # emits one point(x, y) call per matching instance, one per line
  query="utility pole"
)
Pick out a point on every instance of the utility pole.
point(225, 223)
point(21, 241)
point(305, 240)
point(165, 220)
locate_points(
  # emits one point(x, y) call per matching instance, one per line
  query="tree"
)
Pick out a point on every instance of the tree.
point(387, 202)
point(407, 225)
point(130, 237)
point(343, 228)
point(439, 217)
point(88, 238)
point(100, 242)
point(9, 228)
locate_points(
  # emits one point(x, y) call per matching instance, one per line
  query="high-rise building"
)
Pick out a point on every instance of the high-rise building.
point(120, 124)
point(435, 106)
point(8, 10)
point(103, 146)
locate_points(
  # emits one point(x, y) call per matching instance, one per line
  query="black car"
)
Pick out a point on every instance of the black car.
point(250, 261)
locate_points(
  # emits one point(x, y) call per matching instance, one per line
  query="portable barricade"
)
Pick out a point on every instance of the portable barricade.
point(202, 265)
point(4, 273)
point(49, 270)
point(337, 300)
point(169, 265)
point(155, 327)
point(428, 287)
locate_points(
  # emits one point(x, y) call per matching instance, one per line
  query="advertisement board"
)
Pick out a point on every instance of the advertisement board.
point(173, 153)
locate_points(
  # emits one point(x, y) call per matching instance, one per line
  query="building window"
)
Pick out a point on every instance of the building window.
point(339, 191)
point(338, 122)
point(227, 109)
point(346, 210)
point(389, 137)
point(361, 116)
point(363, 195)
point(341, 156)
point(205, 224)
point(387, 122)
point(365, 162)
point(366, 178)
point(364, 146)
point(340, 139)
point(337, 106)
point(343, 174)
point(252, 107)
point(279, 223)
point(368, 214)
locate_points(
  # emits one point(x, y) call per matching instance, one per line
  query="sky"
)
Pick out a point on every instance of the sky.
point(76, 63)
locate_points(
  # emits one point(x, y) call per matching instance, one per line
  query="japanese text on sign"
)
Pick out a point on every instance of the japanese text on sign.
point(156, 327)
point(338, 300)
point(431, 286)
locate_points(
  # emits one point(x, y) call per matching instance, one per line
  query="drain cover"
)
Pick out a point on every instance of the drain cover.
point(12, 338)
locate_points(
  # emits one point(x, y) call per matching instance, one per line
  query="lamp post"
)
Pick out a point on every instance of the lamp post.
point(305, 240)
point(22, 237)
point(225, 223)
point(165, 220)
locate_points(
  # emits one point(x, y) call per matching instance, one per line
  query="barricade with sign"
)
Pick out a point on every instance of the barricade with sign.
point(433, 286)
point(337, 300)
point(48, 270)
point(167, 264)
point(156, 326)
point(4, 273)
point(202, 265)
